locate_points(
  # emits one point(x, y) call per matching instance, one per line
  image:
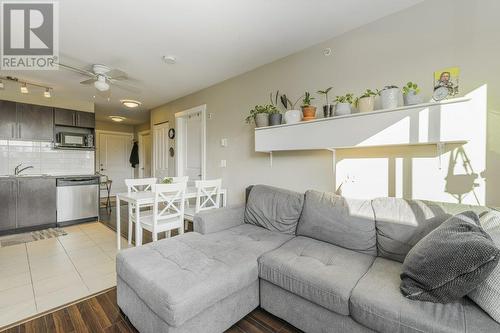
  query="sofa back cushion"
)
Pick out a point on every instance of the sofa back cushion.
point(344, 222)
point(273, 208)
point(402, 223)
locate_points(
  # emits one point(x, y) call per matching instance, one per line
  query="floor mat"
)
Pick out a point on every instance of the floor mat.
point(32, 236)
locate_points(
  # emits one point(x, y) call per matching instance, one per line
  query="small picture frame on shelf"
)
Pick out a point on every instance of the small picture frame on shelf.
point(446, 83)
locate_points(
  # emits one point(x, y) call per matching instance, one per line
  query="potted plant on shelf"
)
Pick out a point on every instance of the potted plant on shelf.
point(260, 115)
point(366, 102)
point(343, 105)
point(291, 115)
point(327, 108)
point(389, 97)
point(411, 94)
point(275, 116)
point(308, 110)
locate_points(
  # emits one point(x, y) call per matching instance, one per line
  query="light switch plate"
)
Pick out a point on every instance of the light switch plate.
point(223, 142)
point(223, 163)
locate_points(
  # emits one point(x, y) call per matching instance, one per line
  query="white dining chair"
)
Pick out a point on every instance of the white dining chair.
point(168, 210)
point(136, 185)
point(207, 197)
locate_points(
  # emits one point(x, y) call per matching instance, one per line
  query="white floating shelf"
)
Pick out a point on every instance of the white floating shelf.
point(419, 124)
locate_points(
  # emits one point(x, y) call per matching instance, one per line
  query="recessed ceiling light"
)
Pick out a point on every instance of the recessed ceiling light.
point(130, 103)
point(169, 60)
point(118, 119)
point(46, 93)
point(24, 89)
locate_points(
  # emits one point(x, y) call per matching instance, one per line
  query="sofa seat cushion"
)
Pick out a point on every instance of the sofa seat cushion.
point(320, 272)
point(181, 276)
point(376, 302)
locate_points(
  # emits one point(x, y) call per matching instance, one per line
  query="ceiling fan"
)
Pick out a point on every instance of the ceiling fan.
point(102, 77)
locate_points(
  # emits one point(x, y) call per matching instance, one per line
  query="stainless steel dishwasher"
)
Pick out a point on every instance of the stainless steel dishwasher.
point(77, 199)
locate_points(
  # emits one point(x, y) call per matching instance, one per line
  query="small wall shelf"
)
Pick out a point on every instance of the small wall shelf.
point(404, 126)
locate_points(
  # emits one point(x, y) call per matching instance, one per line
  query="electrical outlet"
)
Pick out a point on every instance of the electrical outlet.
point(223, 163)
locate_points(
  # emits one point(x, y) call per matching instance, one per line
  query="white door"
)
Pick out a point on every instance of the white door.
point(160, 150)
point(113, 153)
point(145, 146)
point(191, 143)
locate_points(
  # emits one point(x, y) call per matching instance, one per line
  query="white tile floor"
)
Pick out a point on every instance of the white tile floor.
point(45, 274)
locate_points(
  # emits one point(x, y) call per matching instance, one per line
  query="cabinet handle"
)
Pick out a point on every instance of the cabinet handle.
point(12, 130)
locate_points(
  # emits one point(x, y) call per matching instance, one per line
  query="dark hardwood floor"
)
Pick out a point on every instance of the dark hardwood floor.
point(101, 314)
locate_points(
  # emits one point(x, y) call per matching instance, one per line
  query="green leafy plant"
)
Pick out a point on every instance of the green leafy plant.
point(260, 109)
point(367, 93)
point(347, 98)
point(410, 86)
point(325, 93)
point(306, 101)
point(287, 103)
point(167, 180)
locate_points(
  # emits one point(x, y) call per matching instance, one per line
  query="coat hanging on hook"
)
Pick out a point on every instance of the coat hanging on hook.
point(134, 155)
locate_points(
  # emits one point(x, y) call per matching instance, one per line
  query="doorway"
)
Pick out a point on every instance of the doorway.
point(145, 154)
point(160, 150)
point(113, 152)
point(191, 143)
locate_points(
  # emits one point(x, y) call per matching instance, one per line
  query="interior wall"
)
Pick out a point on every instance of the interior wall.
point(113, 127)
point(409, 45)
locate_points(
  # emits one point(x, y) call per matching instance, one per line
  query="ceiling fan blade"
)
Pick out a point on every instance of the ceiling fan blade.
point(116, 74)
point(77, 70)
point(124, 86)
point(89, 81)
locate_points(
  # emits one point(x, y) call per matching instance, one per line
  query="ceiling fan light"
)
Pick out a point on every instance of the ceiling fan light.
point(46, 93)
point(101, 83)
point(130, 103)
point(117, 119)
point(24, 89)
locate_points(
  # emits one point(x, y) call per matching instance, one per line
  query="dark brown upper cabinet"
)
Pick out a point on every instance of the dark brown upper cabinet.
point(35, 122)
point(65, 117)
point(8, 120)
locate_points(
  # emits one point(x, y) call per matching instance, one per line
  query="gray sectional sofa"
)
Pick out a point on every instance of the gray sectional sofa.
point(323, 263)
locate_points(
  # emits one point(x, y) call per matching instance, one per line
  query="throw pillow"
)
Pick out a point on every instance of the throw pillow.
point(450, 261)
point(487, 294)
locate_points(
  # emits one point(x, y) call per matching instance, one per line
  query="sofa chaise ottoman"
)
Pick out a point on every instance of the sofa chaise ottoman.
point(323, 263)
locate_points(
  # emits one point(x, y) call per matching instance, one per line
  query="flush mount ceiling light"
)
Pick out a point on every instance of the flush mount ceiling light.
point(24, 89)
point(118, 119)
point(169, 59)
point(1, 85)
point(46, 93)
point(130, 103)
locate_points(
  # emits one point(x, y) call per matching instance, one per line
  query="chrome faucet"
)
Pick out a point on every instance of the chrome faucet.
point(17, 171)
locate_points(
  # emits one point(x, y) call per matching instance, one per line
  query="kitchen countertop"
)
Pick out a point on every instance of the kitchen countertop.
point(23, 176)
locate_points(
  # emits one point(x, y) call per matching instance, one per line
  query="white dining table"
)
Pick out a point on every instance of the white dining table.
point(141, 199)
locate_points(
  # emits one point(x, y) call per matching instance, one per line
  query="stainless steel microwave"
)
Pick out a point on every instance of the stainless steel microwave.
point(74, 140)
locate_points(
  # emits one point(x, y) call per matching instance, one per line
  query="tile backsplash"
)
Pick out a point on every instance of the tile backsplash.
point(44, 158)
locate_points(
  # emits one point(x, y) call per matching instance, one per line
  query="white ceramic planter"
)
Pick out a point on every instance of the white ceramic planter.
point(411, 98)
point(293, 116)
point(389, 98)
point(366, 104)
point(261, 119)
point(341, 109)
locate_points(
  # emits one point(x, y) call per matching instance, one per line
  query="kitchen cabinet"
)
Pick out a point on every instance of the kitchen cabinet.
point(36, 201)
point(65, 117)
point(8, 199)
point(8, 120)
point(85, 119)
point(35, 122)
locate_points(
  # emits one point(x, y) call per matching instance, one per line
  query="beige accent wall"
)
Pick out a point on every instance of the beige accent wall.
point(409, 45)
point(113, 127)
